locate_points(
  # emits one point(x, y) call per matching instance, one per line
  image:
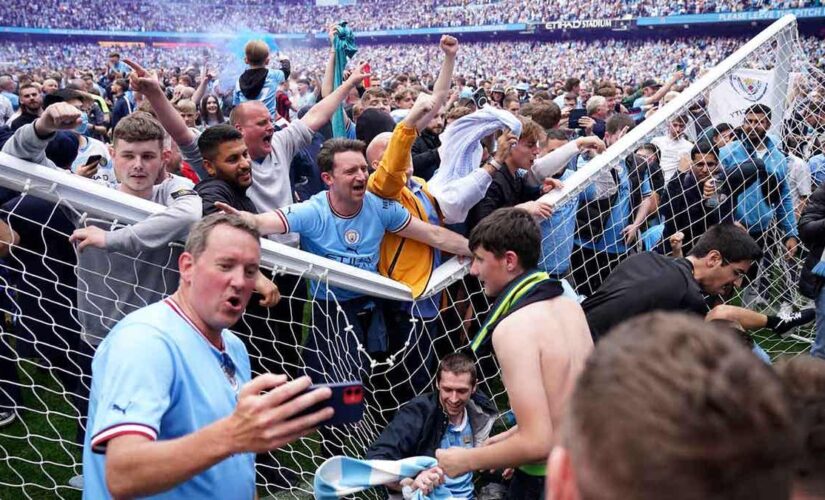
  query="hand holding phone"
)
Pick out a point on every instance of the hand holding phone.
point(89, 169)
point(347, 401)
point(575, 116)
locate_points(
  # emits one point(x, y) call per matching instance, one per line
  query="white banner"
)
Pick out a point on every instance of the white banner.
point(740, 90)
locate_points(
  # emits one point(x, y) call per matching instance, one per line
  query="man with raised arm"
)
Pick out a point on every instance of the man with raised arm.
point(173, 411)
point(271, 153)
point(402, 259)
point(347, 224)
point(541, 342)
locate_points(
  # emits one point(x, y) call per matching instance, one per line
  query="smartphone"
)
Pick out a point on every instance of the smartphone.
point(480, 98)
point(93, 159)
point(347, 400)
point(575, 116)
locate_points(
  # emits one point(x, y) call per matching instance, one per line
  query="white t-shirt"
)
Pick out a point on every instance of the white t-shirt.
point(799, 178)
point(105, 169)
point(672, 151)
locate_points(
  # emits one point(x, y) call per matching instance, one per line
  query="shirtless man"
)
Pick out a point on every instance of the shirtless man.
point(541, 341)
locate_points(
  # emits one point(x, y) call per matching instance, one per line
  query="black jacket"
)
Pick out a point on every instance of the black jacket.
point(212, 190)
point(419, 425)
point(425, 157)
point(685, 209)
point(812, 234)
point(506, 190)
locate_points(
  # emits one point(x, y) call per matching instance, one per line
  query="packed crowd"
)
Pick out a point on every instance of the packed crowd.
point(626, 61)
point(305, 16)
point(391, 171)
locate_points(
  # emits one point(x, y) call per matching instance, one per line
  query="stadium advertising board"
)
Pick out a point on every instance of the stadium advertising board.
point(731, 17)
point(588, 24)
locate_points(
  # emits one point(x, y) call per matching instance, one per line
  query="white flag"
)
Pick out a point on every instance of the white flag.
point(740, 90)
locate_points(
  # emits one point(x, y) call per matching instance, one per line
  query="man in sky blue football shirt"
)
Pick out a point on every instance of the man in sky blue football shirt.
point(172, 412)
point(346, 224)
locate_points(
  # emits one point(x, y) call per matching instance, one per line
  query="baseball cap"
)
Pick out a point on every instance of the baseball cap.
point(63, 148)
point(523, 87)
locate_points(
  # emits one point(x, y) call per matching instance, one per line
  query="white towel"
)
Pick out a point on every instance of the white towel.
point(459, 184)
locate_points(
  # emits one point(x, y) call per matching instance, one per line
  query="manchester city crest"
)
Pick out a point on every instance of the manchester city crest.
point(752, 89)
point(351, 236)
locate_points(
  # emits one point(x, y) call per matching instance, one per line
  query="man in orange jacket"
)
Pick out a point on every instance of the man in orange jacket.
point(402, 259)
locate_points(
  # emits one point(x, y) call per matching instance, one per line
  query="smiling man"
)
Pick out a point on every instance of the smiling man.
point(454, 415)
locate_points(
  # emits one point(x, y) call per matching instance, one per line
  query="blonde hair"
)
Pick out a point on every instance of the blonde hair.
point(185, 106)
point(256, 52)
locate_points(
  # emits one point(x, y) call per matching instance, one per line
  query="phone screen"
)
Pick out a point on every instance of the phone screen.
point(93, 159)
point(575, 116)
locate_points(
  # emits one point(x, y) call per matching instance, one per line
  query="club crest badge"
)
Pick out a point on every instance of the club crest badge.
point(752, 89)
point(351, 236)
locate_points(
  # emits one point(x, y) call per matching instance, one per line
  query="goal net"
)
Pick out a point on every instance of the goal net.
point(48, 301)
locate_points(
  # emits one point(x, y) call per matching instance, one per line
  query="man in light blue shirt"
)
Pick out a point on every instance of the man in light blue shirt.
point(600, 246)
point(172, 410)
point(766, 200)
point(346, 224)
point(116, 65)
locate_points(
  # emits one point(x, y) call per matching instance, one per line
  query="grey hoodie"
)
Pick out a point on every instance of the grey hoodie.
point(138, 266)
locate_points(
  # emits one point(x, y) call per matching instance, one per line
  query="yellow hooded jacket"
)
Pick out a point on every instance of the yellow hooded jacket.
point(403, 259)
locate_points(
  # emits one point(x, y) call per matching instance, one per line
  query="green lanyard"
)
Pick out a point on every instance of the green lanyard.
point(503, 305)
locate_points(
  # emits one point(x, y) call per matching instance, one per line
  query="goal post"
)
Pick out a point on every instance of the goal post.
point(40, 357)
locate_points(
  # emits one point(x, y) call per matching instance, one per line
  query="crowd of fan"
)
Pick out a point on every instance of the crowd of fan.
point(63, 111)
point(304, 16)
point(627, 62)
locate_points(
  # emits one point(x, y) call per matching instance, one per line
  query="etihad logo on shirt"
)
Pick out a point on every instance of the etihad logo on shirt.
point(752, 89)
point(351, 236)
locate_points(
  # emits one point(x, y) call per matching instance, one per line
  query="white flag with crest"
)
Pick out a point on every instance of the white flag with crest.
point(740, 90)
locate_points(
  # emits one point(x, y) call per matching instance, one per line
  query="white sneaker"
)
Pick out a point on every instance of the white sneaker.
point(7, 417)
point(76, 482)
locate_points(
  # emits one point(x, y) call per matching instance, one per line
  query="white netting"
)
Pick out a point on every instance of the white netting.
point(42, 355)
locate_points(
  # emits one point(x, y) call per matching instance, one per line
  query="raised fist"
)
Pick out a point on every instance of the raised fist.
point(58, 116)
point(449, 44)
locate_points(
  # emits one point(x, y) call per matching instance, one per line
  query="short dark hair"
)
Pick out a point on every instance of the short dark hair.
point(509, 229)
point(760, 109)
point(458, 362)
point(114, 54)
point(731, 241)
point(211, 139)
point(546, 114)
point(326, 156)
point(508, 99)
point(703, 147)
point(557, 134)
point(686, 408)
point(804, 378)
point(722, 127)
point(24, 86)
point(571, 83)
point(138, 127)
point(618, 122)
point(652, 147)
